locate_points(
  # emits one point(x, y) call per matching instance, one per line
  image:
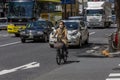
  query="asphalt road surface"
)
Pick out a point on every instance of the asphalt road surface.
point(36, 60)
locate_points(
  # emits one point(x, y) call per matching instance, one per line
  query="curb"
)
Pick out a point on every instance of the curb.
point(110, 54)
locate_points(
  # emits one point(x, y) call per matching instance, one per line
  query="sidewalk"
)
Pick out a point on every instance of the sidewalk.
point(110, 54)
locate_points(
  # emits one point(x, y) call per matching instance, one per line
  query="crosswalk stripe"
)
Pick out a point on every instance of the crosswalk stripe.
point(113, 79)
point(114, 74)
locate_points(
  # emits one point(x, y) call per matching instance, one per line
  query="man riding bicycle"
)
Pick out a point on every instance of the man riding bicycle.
point(61, 33)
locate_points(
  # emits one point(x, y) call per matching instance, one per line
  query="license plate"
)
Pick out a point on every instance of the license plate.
point(31, 36)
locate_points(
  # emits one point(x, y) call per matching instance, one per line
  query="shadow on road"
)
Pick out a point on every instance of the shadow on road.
point(83, 46)
point(92, 56)
point(89, 45)
point(111, 27)
point(70, 62)
point(116, 69)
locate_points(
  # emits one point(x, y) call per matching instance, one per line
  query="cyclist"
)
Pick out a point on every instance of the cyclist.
point(61, 33)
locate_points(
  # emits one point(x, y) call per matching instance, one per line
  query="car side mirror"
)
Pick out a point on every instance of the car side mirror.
point(53, 28)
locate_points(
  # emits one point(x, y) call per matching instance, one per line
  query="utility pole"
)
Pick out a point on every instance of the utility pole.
point(83, 7)
point(71, 9)
point(117, 11)
point(65, 10)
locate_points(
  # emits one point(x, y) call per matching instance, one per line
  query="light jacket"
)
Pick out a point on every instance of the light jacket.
point(62, 34)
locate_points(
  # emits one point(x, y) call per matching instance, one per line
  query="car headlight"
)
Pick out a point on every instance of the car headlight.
point(39, 32)
point(74, 33)
point(23, 32)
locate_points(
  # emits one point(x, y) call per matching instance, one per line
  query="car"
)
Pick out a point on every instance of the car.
point(77, 33)
point(37, 30)
point(3, 23)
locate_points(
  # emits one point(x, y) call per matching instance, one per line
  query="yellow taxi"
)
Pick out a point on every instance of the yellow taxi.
point(15, 29)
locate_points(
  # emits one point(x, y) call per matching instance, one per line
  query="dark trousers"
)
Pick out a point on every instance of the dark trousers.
point(64, 48)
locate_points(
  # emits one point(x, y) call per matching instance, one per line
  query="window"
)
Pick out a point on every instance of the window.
point(82, 24)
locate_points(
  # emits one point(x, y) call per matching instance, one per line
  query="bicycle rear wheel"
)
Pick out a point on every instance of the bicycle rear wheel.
point(58, 57)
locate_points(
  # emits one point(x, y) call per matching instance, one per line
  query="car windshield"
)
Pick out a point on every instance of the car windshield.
point(3, 20)
point(95, 12)
point(20, 9)
point(71, 25)
point(76, 18)
point(35, 25)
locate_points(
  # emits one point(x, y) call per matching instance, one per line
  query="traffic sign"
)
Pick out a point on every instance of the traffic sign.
point(67, 1)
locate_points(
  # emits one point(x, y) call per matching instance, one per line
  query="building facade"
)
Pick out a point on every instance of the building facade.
point(3, 8)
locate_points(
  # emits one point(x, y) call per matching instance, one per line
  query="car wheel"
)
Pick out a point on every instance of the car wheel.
point(51, 46)
point(45, 38)
point(17, 35)
point(23, 40)
point(80, 43)
point(87, 40)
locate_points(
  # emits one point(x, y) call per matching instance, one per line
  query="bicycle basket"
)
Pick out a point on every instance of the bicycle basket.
point(58, 45)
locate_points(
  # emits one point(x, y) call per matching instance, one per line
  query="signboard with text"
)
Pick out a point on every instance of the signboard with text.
point(67, 1)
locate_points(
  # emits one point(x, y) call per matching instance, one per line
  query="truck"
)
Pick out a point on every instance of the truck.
point(98, 14)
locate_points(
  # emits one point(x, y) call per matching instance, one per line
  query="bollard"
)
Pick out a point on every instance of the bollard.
point(118, 40)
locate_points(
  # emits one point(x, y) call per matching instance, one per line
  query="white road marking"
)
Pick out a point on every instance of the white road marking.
point(27, 66)
point(114, 74)
point(113, 79)
point(119, 64)
point(96, 47)
point(10, 44)
point(92, 33)
point(5, 35)
point(90, 51)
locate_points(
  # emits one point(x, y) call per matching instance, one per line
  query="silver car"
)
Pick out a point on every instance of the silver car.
point(3, 23)
point(77, 33)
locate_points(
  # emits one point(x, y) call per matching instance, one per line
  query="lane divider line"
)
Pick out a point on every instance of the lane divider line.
point(92, 33)
point(9, 44)
point(24, 67)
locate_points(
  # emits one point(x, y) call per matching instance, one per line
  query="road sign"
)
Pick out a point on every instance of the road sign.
point(67, 1)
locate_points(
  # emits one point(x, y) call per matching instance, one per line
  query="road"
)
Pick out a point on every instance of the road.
point(36, 60)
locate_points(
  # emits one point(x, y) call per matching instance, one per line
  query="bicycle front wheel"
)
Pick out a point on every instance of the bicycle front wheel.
point(58, 58)
point(64, 56)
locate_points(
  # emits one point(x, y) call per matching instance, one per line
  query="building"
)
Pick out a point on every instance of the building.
point(3, 8)
point(70, 9)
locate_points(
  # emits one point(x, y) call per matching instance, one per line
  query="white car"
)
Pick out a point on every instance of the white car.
point(77, 33)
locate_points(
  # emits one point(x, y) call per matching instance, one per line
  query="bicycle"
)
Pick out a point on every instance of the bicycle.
point(60, 52)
